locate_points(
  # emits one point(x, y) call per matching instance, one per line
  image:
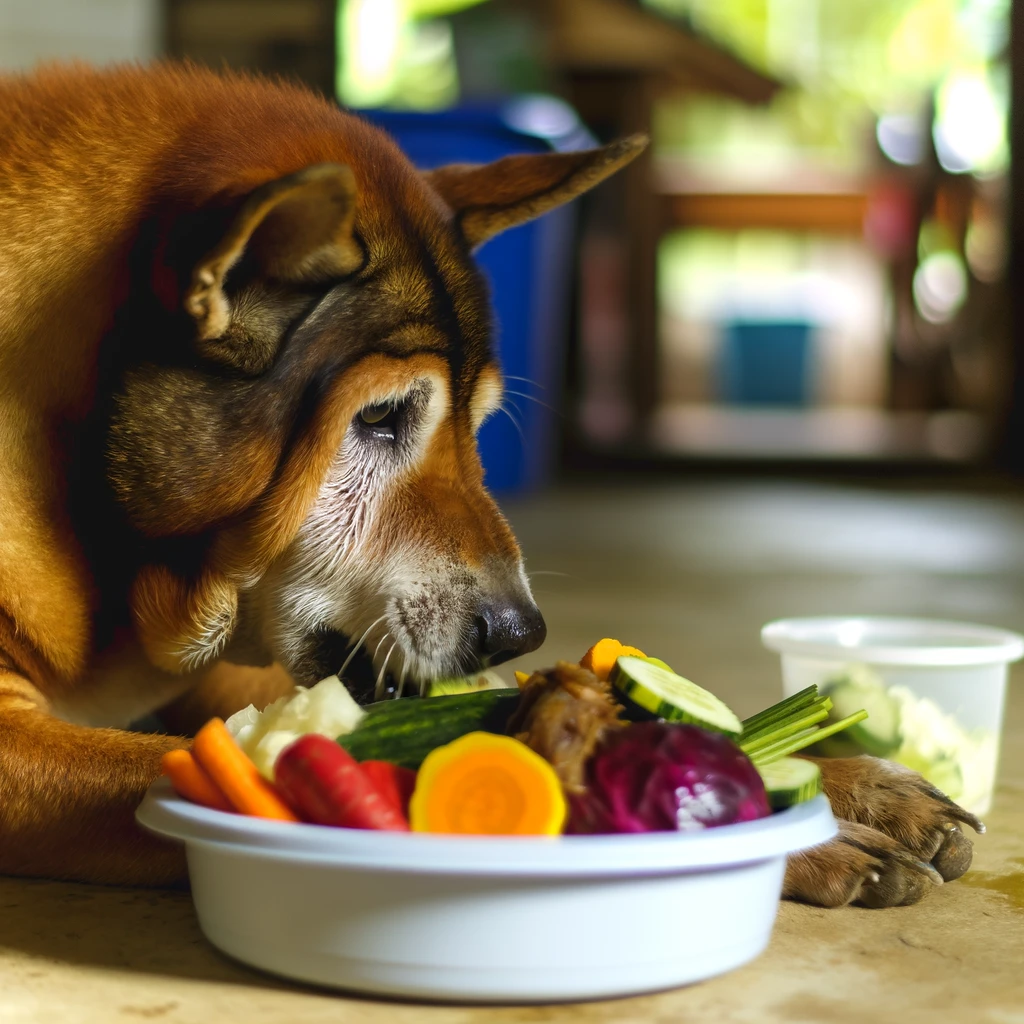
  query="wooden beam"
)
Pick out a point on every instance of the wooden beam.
point(613, 36)
point(830, 213)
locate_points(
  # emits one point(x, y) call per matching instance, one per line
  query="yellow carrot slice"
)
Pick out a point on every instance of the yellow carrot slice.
point(601, 658)
point(191, 782)
point(237, 777)
point(483, 784)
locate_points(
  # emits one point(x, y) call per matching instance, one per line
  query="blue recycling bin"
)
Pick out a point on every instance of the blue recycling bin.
point(529, 269)
point(766, 363)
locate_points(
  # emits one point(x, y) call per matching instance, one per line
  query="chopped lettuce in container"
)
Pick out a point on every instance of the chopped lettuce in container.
point(960, 762)
point(916, 732)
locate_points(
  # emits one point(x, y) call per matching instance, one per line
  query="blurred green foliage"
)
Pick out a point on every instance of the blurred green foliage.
point(850, 62)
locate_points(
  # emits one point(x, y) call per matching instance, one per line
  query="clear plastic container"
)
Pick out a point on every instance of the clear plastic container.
point(934, 691)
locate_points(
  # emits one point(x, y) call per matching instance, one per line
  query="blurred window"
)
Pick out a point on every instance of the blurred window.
point(397, 53)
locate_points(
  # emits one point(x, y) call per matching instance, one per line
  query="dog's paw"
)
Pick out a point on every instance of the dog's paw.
point(861, 865)
point(904, 807)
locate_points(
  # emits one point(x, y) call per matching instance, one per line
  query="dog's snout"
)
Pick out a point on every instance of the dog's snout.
point(505, 631)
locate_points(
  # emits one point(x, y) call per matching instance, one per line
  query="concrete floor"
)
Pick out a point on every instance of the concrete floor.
point(689, 573)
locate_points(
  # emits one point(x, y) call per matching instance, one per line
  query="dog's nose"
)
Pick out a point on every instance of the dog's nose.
point(505, 631)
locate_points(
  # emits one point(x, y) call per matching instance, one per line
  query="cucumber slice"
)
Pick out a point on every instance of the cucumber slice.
point(660, 664)
point(632, 712)
point(672, 697)
point(790, 780)
point(880, 733)
point(465, 684)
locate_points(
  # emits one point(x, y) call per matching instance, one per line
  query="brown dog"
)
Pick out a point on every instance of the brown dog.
point(243, 354)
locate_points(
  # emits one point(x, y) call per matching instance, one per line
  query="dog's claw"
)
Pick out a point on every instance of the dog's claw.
point(954, 810)
point(927, 869)
point(922, 867)
point(966, 818)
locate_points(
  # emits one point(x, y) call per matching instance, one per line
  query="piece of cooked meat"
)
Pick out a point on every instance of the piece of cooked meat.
point(563, 715)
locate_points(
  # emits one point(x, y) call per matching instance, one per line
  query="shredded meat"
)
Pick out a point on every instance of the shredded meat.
point(563, 715)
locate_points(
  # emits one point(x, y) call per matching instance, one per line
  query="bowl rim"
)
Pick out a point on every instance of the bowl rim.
point(162, 811)
point(889, 640)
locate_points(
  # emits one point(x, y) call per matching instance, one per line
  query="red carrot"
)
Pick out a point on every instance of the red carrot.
point(326, 785)
point(392, 781)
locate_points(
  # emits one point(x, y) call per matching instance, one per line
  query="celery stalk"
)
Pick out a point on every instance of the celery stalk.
point(804, 739)
point(780, 732)
point(769, 726)
point(766, 754)
point(780, 710)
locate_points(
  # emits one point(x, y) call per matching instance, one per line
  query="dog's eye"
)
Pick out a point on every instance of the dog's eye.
point(374, 414)
point(381, 419)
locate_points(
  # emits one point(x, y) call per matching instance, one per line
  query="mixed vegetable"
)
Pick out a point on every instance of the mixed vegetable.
point(616, 743)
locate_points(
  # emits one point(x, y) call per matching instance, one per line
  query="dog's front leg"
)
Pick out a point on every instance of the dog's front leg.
point(222, 690)
point(898, 836)
point(68, 796)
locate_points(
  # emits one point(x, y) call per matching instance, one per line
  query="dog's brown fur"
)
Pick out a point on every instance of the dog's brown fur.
point(163, 440)
point(203, 279)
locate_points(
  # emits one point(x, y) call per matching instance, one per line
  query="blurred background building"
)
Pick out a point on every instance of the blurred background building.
point(811, 263)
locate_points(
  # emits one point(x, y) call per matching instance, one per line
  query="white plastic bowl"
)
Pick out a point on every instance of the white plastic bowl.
point(958, 667)
point(485, 919)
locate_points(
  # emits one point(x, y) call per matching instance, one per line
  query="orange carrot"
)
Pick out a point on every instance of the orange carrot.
point(191, 782)
point(227, 765)
point(601, 658)
point(482, 784)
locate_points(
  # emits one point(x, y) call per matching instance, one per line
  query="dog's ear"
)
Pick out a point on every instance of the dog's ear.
point(296, 230)
point(488, 198)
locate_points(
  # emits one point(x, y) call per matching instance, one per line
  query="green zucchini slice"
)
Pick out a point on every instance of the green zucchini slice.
point(790, 780)
point(672, 697)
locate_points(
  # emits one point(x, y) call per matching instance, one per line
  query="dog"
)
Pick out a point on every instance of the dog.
point(244, 351)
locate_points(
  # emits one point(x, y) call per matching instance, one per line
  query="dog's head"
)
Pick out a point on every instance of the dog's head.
point(298, 443)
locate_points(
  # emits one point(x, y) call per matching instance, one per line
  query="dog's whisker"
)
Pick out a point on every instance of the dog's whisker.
point(378, 690)
point(401, 678)
point(525, 380)
point(515, 423)
point(358, 644)
point(546, 572)
point(366, 632)
point(531, 398)
point(380, 643)
point(507, 398)
point(505, 408)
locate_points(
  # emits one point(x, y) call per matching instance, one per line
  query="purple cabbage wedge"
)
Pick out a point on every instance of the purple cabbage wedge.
point(665, 777)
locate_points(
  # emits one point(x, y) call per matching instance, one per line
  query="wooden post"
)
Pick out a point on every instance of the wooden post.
point(1012, 442)
point(615, 104)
